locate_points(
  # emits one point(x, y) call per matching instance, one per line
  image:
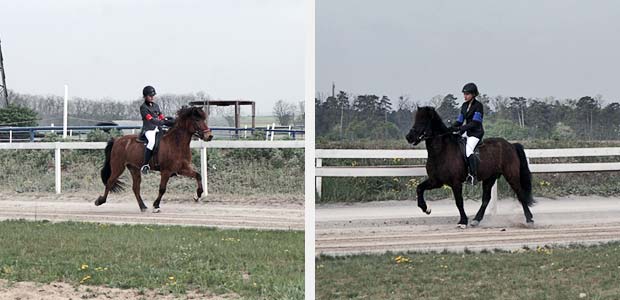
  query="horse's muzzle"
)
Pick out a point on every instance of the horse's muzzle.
point(207, 134)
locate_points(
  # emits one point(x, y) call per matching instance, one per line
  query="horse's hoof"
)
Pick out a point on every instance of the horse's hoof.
point(99, 201)
point(529, 224)
point(461, 226)
point(143, 209)
point(474, 223)
point(428, 211)
point(196, 198)
point(156, 210)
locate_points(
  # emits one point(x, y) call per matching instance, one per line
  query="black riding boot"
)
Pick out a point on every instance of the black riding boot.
point(472, 177)
point(147, 157)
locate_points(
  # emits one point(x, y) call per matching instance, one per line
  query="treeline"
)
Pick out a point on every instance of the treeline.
point(83, 111)
point(347, 117)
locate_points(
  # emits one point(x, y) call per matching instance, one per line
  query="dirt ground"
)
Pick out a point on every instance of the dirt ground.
point(64, 291)
point(222, 211)
point(378, 227)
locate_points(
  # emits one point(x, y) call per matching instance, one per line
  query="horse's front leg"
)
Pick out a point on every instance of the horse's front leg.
point(162, 189)
point(189, 172)
point(427, 184)
point(457, 190)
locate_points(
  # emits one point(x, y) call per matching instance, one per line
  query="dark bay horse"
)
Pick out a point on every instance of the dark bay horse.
point(446, 165)
point(174, 156)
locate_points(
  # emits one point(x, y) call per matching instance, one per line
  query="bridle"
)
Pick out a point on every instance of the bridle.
point(197, 130)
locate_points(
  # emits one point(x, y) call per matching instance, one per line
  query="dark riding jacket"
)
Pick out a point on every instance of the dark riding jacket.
point(472, 118)
point(151, 116)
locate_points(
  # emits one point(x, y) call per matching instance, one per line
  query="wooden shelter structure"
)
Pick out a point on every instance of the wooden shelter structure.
point(236, 103)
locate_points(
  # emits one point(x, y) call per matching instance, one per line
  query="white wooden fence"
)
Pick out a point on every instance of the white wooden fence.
point(57, 146)
point(393, 171)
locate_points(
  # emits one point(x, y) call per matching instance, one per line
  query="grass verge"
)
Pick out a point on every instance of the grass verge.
point(544, 273)
point(173, 259)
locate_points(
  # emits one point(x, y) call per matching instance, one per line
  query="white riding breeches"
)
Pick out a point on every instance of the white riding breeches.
point(150, 137)
point(471, 144)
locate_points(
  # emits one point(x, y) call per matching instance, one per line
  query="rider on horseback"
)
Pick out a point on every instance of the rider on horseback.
point(471, 116)
point(152, 121)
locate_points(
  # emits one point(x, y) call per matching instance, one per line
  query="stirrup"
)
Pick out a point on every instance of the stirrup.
point(145, 169)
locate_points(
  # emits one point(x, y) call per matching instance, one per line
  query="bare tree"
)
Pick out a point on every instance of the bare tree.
point(284, 112)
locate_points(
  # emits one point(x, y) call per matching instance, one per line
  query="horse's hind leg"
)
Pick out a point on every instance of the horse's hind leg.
point(116, 172)
point(457, 190)
point(137, 179)
point(487, 186)
point(162, 189)
point(515, 184)
point(427, 184)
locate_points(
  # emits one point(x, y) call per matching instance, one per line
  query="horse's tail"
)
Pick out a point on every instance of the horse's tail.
point(106, 171)
point(525, 175)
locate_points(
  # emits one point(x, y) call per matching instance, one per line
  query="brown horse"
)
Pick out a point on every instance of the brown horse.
point(174, 156)
point(446, 165)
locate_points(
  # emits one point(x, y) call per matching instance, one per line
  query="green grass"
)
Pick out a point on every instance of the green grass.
point(254, 264)
point(562, 273)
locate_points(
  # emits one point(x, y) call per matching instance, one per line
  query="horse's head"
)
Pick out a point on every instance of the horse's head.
point(427, 124)
point(193, 119)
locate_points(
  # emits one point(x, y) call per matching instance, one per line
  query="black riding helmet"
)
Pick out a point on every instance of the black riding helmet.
point(148, 91)
point(471, 88)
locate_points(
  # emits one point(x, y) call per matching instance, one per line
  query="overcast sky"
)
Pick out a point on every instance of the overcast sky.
point(232, 49)
point(560, 48)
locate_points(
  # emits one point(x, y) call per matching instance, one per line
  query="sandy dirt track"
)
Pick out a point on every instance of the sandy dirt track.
point(274, 213)
point(378, 227)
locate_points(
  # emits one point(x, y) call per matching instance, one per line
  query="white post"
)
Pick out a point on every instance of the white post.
point(64, 115)
point(10, 136)
point(245, 132)
point(52, 125)
point(319, 163)
point(273, 126)
point(289, 130)
point(57, 165)
point(203, 167)
point(494, 200)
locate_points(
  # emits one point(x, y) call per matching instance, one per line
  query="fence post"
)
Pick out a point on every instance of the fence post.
point(273, 126)
point(10, 136)
point(57, 167)
point(203, 167)
point(494, 200)
point(319, 163)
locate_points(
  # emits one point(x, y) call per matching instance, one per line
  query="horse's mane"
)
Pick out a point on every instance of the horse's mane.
point(187, 112)
point(430, 115)
point(184, 119)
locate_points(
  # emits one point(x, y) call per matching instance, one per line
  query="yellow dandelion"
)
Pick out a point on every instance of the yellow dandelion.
point(84, 266)
point(87, 277)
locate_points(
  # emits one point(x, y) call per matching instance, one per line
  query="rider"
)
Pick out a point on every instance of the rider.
point(152, 120)
point(471, 115)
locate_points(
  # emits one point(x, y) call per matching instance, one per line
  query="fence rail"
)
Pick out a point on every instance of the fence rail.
point(293, 133)
point(203, 146)
point(400, 170)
